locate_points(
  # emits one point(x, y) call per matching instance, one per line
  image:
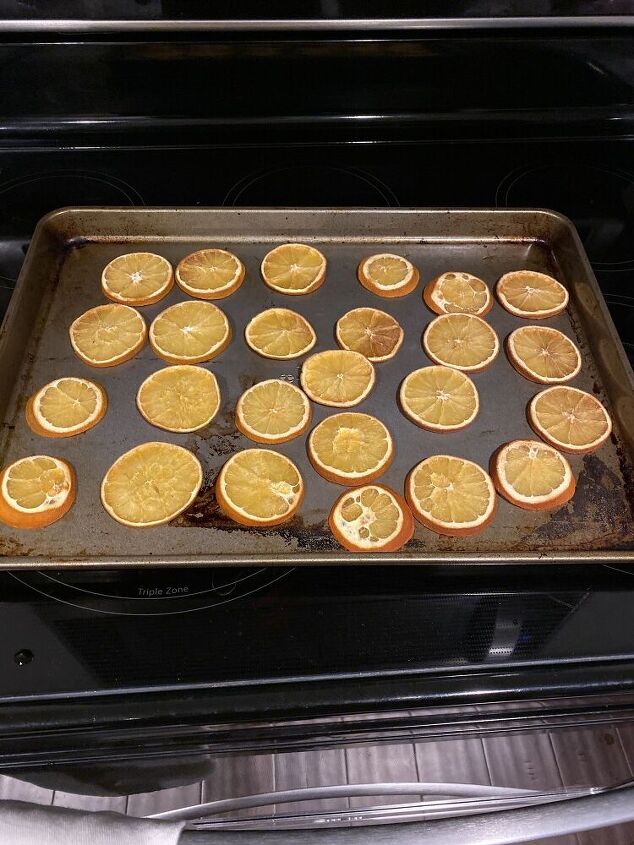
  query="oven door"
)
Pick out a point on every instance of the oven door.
point(489, 773)
point(399, 812)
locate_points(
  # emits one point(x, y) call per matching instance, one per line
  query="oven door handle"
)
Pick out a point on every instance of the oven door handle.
point(351, 790)
point(604, 808)
point(315, 24)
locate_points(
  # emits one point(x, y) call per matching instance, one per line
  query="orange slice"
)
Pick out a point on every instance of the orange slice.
point(138, 278)
point(543, 355)
point(371, 332)
point(371, 519)
point(210, 274)
point(294, 269)
point(458, 293)
point(388, 275)
point(108, 335)
point(350, 448)
point(280, 333)
point(65, 407)
point(36, 491)
point(190, 333)
point(451, 496)
point(180, 398)
point(273, 411)
point(337, 377)
point(533, 295)
point(151, 484)
point(259, 487)
point(569, 419)
point(463, 341)
point(532, 475)
point(439, 398)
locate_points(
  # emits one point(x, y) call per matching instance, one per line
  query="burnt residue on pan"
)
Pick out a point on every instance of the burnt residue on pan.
point(312, 537)
point(221, 437)
point(10, 546)
point(579, 335)
point(627, 471)
point(596, 503)
point(205, 513)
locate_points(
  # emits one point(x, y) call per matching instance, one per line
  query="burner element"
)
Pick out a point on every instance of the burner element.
point(34, 195)
point(310, 185)
point(599, 198)
point(148, 592)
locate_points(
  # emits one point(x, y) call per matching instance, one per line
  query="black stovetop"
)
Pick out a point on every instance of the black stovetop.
point(83, 633)
point(211, 626)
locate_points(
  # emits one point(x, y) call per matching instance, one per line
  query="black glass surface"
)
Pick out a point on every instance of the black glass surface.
point(108, 130)
point(70, 632)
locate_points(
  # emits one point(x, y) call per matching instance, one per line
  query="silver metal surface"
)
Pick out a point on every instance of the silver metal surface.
point(60, 279)
point(465, 790)
point(48, 25)
point(505, 827)
point(428, 810)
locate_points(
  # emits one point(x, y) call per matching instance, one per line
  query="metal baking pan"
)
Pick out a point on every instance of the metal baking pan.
point(60, 279)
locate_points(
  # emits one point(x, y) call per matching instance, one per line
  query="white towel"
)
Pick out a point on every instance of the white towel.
point(32, 824)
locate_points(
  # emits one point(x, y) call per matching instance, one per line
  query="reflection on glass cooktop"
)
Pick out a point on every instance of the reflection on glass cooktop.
point(78, 631)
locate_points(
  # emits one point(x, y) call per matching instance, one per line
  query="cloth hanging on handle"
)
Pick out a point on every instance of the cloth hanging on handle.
point(33, 824)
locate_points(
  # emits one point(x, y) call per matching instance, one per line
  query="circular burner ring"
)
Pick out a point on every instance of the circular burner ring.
point(145, 605)
point(618, 192)
point(374, 187)
point(65, 187)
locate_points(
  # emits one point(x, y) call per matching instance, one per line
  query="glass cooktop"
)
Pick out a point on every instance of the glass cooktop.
point(80, 632)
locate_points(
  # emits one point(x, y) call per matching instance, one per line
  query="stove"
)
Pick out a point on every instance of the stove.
point(254, 644)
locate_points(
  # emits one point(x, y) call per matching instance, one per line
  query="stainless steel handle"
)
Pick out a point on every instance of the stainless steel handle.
point(352, 790)
point(35, 25)
point(505, 827)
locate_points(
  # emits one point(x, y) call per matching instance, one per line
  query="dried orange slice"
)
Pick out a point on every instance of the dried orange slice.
point(439, 398)
point(36, 491)
point(388, 275)
point(532, 475)
point(294, 269)
point(180, 398)
point(259, 487)
point(458, 293)
point(533, 295)
point(273, 411)
point(463, 341)
point(66, 406)
point(371, 519)
point(543, 355)
point(138, 278)
point(451, 496)
point(350, 448)
point(569, 419)
point(190, 333)
point(151, 484)
point(337, 377)
point(108, 335)
point(210, 274)
point(280, 333)
point(371, 332)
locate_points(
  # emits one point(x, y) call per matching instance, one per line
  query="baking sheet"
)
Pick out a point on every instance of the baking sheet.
point(61, 279)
